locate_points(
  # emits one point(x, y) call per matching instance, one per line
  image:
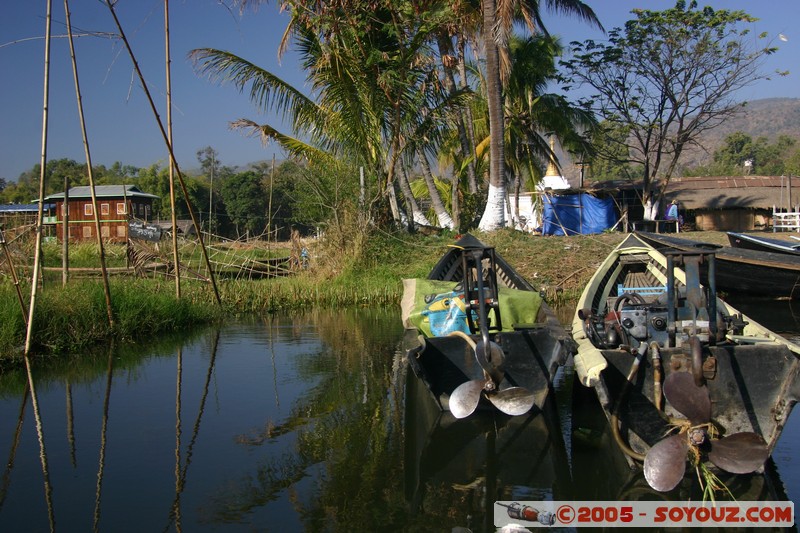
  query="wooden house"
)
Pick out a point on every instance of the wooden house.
point(117, 205)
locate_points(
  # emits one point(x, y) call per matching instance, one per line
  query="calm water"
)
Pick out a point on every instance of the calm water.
point(303, 423)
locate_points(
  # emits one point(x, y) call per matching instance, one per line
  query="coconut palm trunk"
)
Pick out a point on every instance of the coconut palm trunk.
point(417, 215)
point(493, 215)
point(445, 220)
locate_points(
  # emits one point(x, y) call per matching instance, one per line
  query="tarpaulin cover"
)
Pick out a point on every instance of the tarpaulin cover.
point(577, 213)
point(436, 308)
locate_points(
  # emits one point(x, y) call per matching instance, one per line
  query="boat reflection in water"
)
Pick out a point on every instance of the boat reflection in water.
point(457, 468)
point(601, 472)
point(288, 425)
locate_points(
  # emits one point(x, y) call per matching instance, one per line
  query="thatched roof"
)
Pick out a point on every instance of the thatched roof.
point(721, 192)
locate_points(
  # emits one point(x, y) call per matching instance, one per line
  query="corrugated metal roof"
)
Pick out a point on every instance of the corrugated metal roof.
point(103, 191)
point(22, 208)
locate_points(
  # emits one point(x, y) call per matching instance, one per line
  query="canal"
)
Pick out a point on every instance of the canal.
point(291, 423)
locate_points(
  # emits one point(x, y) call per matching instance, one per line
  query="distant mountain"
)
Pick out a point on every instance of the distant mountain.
point(770, 118)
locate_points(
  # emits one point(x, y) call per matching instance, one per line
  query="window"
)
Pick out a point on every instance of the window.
point(121, 231)
point(141, 209)
point(87, 232)
point(121, 208)
point(87, 210)
point(104, 209)
point(105, 232)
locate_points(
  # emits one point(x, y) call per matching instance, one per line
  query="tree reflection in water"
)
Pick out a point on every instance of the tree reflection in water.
point(308, 422)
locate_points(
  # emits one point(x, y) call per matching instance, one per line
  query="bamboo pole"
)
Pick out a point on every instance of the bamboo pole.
point(178, 432)
point(269, 205)
point(12, 454)
point(95, 206)
point(175, 258)
point(70, 424)
point(48, 488)
point(42, 164)
point(14, 277)
point(175, 509)
point(169, 147)
point(103, 441)
point(65, 240)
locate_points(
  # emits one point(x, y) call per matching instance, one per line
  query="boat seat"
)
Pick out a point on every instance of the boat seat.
point(656, 290)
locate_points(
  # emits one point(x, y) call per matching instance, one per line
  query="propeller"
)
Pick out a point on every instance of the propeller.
point(665, 462)
point(510, 400)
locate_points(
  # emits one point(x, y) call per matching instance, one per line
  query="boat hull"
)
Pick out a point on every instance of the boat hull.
point(739, 270)
point(532, 351)
point(762, 244)
point(533, 356)
point(751, 374)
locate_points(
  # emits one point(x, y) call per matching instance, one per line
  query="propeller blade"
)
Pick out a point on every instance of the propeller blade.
point(691, 401)
point(665, 463)
point(465, 398)
point(513, 400)
point(740, 453)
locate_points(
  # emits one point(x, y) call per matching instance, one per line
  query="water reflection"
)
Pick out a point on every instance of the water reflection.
point(456, 469)
point(282, 424)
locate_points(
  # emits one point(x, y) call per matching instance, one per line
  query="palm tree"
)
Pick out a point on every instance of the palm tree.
point(533, 115)
point(498, 20)
point(373, 83)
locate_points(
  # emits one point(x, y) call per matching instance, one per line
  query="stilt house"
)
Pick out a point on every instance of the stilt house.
point(116, 204)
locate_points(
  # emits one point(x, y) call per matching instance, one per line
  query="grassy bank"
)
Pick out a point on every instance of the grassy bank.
point(72, 318)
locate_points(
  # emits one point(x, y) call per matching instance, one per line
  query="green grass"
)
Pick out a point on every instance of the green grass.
point(359, 272)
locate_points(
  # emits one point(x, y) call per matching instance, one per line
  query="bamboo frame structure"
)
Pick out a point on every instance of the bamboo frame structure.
point(192, 215)
point(95, 205)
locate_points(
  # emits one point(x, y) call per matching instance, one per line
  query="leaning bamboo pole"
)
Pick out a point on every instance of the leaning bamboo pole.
point(169, 147)
point(103, 441)
point(42, 167)
point(175, 258)
point(14, 277)
point(95, 205)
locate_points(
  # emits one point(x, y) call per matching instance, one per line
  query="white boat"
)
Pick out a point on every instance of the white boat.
point(681, 375)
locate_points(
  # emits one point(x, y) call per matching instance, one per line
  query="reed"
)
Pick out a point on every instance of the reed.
point(70, 319)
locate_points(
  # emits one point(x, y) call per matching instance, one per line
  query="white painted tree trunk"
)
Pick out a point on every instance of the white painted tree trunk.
point(650, 210)
point(494, 214)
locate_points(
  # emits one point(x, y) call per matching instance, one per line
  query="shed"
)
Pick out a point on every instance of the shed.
point(732, 203)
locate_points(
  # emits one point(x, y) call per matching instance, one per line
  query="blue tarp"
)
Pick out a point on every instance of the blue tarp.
point(577, 213)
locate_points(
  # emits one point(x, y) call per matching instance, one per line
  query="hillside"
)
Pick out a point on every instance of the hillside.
point(770, 118)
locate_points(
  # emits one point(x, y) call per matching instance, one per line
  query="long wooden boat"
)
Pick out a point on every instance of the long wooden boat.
point(482, 335)
point(749, 241)
point(664, 353)
point(463, 465)
point(738, 270)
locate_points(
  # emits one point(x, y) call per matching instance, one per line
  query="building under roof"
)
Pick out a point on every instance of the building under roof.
point(723, 203)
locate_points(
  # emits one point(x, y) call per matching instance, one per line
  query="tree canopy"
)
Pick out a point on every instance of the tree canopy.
point(663, 80)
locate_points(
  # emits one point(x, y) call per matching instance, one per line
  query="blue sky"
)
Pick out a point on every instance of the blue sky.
point(120, 124)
